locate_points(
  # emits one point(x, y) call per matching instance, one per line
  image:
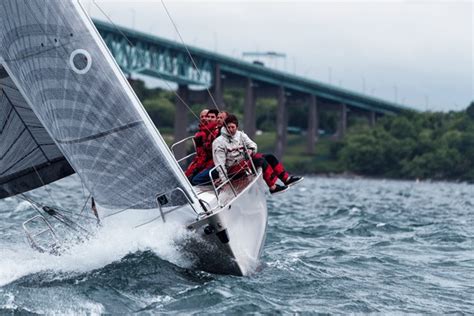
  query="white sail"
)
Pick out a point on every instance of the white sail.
point(63, 70)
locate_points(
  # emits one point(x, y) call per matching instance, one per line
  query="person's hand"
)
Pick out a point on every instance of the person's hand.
point(249, 152)
point(217, 182)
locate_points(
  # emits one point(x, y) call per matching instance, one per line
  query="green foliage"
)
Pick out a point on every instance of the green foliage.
point(401, 128)
point(234, 101)
point(414, 145)
point(161, 109)
point(266, 114)
point(470, 111)
point(335, 148)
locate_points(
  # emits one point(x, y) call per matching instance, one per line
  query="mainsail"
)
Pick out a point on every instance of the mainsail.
point(54, 58)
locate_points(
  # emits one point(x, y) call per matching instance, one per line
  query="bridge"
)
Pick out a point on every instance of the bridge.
point(141, 53)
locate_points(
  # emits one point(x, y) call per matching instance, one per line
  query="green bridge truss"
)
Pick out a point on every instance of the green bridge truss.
point(141, 53)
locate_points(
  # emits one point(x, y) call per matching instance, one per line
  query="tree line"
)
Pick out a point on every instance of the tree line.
point(424, 145)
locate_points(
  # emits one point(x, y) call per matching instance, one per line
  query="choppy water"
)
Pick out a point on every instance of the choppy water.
point(333, 245)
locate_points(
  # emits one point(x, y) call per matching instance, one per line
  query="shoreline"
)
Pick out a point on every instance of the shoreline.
point(351, 176)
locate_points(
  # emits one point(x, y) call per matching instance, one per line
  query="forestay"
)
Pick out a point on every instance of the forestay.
point(64, 72)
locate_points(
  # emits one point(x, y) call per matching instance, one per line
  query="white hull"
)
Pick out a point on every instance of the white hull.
point(230, 241)
point(242, 220)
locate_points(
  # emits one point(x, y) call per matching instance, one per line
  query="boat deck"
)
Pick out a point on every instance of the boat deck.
point(226, 194)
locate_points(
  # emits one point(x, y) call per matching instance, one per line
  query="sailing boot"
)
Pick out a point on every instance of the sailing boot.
point(292, 180)
point(278, 189)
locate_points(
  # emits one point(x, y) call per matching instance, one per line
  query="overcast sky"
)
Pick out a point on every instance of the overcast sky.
point(419, 53)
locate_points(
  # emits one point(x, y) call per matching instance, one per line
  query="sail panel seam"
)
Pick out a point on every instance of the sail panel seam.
point(24, 108)
point(4, 172)
point(26, 126)
point(8, 178)
point(7, 120)
point(99, 135)
point(13, 143)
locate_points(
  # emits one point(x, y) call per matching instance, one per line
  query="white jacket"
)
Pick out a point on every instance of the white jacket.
point(229, 150)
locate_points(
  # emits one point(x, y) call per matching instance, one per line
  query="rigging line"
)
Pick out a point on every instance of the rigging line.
point(83, 191)
point(133, 45)
point(45, 187)
point(189, 53)
point(87, 200)
point(28, 199)
point(110, 20)
point(191, 57)
point(122, 210)
point(159, 75)
point(38, 204)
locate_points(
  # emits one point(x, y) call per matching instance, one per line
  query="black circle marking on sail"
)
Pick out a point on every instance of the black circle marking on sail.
point(80, 61)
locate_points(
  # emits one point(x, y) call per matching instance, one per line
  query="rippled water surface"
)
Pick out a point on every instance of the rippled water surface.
point(333, 245)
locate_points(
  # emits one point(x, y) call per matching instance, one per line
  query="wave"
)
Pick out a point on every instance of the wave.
point(111, 243)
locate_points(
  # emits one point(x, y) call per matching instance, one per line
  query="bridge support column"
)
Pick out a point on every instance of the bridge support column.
point(342, 124)
point(313, 124)
point(249, 110)
point(181, 118)
point(371, 118)
point(282, 122)
point(218, 88)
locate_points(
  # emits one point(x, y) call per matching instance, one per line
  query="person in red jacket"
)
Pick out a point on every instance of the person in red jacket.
point(198, 141)
point(214, 131)
point(208, 122)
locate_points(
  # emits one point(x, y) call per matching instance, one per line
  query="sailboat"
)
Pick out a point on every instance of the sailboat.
point(66, 107)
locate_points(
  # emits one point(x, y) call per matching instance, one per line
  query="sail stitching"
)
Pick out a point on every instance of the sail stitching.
point(99, 135)
point(26, 126)
point(8, 86)
point(51, 48)
point(29, 170)
point(13, 144)
point(22, 158)
point(6, 121)
point(23, 107)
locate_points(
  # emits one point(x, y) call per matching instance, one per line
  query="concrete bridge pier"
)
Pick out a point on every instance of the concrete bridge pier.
point(218, 92)
point(342, 123)
point(181, 118)
point(313, 124)
point(372, 118)
point(282, 123)
point(250, 109)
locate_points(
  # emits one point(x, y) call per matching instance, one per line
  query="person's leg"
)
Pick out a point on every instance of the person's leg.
point(238, 170)
point(268, 174)
point(202, 177)
point(280, 171)
point(277, 167)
